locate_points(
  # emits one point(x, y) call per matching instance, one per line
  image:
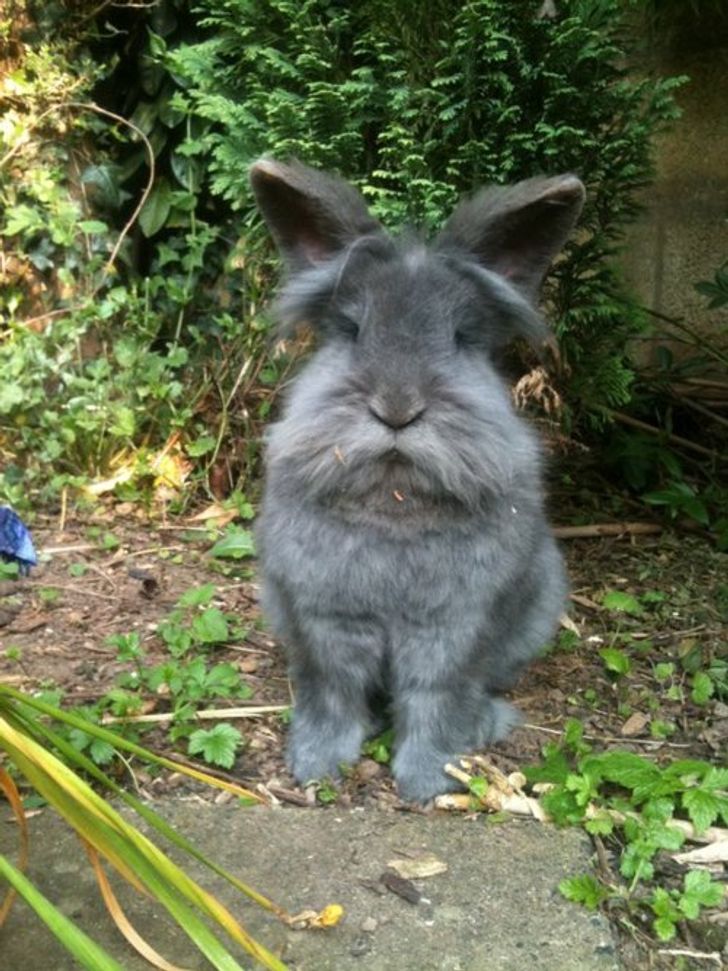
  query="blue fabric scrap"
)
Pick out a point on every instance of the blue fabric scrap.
point(16, 545)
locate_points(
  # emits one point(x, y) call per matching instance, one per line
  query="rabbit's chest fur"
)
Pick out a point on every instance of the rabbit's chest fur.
point(419, 568)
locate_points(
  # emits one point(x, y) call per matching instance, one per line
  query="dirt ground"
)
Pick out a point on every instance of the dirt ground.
point(117, 574)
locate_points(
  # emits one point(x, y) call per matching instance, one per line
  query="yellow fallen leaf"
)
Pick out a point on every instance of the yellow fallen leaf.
point(319, 919)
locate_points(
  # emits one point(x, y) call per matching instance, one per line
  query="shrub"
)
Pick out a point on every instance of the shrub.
point(416, 103)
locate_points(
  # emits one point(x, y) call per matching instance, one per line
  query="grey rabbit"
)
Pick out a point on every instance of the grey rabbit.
point(407, 563)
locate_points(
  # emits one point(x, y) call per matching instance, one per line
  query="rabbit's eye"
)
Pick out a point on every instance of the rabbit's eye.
point(348, 326)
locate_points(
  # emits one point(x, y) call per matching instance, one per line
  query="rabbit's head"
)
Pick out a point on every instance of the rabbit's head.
point(400, 403)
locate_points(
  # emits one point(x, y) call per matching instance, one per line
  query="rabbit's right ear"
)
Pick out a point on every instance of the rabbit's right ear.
point(312, 215)
point(516, 230)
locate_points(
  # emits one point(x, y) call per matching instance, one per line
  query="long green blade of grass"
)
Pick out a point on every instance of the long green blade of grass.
point(117, 741)
point(72, 755)
point(86, 951)
point(130, 851)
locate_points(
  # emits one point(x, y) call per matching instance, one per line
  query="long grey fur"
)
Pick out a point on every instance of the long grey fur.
point(407, 563)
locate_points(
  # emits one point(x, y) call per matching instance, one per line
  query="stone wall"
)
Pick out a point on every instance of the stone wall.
point(682, 236)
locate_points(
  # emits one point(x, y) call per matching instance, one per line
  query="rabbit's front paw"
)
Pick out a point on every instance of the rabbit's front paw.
point(421, 777)
point(315, 752)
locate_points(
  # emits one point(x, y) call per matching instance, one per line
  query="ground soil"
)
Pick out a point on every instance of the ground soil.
point(131, 582)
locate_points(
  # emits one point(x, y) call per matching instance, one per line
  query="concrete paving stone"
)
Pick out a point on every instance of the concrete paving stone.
point(496, 908)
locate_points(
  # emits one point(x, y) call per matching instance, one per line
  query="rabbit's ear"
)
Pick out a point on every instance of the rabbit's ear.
point(312, 215)
point(516, 230)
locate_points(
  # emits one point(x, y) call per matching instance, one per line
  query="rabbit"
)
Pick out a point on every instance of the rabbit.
point(407, 564)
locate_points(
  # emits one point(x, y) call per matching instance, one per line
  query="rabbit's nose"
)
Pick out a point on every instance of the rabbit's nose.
point(396, 413)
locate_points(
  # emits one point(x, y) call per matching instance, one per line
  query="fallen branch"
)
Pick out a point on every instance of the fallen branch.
point(655, 742)
point(205, 714)
point(712, 956)
point(607, 529)
point(661, 433)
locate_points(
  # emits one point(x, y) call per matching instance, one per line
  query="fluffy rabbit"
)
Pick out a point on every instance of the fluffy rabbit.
point(407, 563)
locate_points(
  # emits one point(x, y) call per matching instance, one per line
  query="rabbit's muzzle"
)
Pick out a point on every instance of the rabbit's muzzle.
point(396, 411)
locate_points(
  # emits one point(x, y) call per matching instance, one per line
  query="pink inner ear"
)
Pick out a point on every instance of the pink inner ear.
point(312, 248)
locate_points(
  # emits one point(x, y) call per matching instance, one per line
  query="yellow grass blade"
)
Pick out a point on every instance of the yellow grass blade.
point(13, 796)
point(121, 920)
point(154, 819)
point(129, 851)
point(121, 743)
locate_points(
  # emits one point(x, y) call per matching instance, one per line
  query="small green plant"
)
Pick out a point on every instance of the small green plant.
point(672, 906)
point(183, 682)
point(217, 746)
point(636, 804)
point(326, 792)
point(380, 747)
point(715, 290)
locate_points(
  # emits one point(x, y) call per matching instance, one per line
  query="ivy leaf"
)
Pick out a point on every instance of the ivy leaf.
point(156, 209)
point(217, 745)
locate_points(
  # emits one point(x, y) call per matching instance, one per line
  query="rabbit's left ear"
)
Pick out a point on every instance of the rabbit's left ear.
point(516, 230)
point(312, 215)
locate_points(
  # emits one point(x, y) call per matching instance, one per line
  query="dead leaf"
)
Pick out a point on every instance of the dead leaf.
point(219, 513)
point(418, 867)
point(568, 624)
point(712, 853)
point(635, 724)
point(317, 919)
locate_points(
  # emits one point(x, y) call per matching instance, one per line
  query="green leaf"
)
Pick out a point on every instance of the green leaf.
point(702, 807)
point(85, 950)
point(156, 209)
point(105, 181)
point(210, 627)
point(198, 596)
point(201, 446)
point(622, 602)
point(584, 889)
point(702, 689)
point(701, 888)
point(615, 660)
point(236, 544)
point(101, 752)
point(92, 226)
point(217, 745)
point(664, 928)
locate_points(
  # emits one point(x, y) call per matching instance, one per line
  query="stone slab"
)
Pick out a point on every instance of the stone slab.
point(496, 907)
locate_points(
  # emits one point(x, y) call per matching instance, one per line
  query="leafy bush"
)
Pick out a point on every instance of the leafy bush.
point(416, 103)
point(421, 103)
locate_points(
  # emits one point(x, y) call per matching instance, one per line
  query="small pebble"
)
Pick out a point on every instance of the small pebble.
point(369, 925)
